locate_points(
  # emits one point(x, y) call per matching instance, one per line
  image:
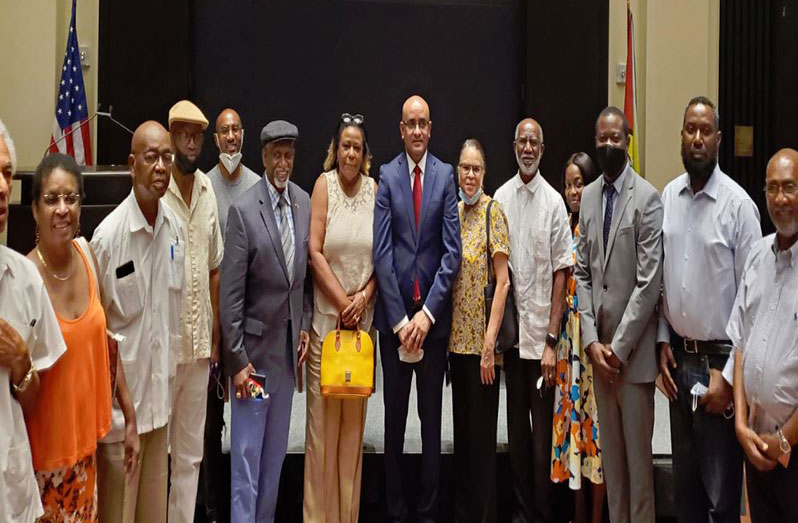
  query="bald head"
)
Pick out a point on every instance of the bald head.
point(781, 188)
point(146, 133)
point(151, 158)
point(529, 148)
point(529, 123)
point(229, 136)
point(415, 127)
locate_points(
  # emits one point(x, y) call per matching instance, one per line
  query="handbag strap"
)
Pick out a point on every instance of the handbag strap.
point(487, 244)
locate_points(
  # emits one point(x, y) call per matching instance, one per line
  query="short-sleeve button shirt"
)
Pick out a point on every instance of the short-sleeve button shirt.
point(203, 253)
point(764, 327)
point(540, 245)
point(142, 305)
point(25, 305)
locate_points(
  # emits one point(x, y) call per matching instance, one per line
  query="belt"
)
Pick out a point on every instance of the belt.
point(708, 347)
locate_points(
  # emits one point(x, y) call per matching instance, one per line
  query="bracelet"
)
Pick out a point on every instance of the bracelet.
point(23, 385)
point(784, 445)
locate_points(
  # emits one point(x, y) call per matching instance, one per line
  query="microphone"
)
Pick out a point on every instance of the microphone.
point(86, 122)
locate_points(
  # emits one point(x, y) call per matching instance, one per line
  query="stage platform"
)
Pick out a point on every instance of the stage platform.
point(289, 509)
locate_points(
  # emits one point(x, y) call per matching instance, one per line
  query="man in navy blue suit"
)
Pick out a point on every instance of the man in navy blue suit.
point(416, 257)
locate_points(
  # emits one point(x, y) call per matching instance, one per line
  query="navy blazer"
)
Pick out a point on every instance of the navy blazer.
point(402, 253)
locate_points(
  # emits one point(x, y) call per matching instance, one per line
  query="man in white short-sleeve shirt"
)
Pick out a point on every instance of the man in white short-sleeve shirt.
point(30, 339)
point(139, 248)
point(540, 256)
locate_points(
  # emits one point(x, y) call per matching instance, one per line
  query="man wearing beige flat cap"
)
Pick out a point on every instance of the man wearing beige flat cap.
point(190, 195)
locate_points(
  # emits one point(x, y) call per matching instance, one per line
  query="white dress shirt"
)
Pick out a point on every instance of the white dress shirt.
point(143, 305)
point(764, 327)
point(540, 245)
point(422, 165)
point(706, 239)
point(25, 305)
point(203, 254)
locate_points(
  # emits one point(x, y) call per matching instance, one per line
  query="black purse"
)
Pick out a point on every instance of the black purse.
point(508, 331)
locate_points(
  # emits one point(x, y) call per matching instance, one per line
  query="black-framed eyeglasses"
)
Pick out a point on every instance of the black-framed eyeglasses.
point(356, 119)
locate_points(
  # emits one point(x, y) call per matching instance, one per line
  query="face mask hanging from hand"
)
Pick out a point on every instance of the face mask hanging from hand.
point(230, 161)
point(470, 201)
point(611, 159)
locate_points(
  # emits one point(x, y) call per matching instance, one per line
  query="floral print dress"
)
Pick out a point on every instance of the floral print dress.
point(575, 433)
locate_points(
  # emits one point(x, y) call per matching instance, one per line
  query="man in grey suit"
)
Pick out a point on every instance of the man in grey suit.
point(618, 273)
point(265, 307)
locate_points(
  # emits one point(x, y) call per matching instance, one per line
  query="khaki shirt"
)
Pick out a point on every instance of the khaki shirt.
point(204, 249)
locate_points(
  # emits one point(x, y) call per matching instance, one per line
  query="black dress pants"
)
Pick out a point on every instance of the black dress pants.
point(397, 377)
point(529, 445)
point(772, 494)
point(475, 410)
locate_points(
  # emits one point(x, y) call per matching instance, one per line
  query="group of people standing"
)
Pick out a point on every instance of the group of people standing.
point(116, 351)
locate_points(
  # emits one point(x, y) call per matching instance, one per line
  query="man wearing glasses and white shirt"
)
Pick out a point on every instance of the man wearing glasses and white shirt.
point(540, 255)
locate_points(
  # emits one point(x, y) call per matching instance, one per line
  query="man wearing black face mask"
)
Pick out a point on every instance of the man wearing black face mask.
point(710, 226)
point(618, 272)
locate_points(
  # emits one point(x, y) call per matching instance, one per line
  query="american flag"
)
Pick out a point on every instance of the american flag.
point(70, 108)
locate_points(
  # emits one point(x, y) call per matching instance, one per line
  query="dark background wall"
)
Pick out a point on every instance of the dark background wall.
point(481, 64)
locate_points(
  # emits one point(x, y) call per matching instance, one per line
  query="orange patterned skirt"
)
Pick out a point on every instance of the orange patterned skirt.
point(69, 494)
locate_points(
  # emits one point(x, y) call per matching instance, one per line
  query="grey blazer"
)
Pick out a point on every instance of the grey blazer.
point(618, 290)
point(256, 301)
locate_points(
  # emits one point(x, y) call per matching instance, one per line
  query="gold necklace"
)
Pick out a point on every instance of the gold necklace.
point(54, 275)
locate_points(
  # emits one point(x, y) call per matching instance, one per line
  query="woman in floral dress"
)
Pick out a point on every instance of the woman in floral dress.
point(575, 434)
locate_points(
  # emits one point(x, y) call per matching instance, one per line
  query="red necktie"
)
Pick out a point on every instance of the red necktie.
point(417, 193)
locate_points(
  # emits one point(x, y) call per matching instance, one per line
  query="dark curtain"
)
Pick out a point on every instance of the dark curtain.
point(745, 92)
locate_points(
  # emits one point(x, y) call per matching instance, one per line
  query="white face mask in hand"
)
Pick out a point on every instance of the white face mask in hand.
point(230, 161)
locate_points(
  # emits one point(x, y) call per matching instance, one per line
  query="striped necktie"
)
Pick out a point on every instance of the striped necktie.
point(285, 237)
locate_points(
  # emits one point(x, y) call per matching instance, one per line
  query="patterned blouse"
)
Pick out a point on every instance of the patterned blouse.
point(468, 300)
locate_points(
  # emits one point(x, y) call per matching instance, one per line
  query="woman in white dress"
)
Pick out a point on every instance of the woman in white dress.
point(340, 253)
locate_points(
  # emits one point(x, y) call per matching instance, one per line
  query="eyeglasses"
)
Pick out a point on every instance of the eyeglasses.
point(226, 129)
point(789, 189)
point(152, 157)
point(466, 168)
point(356, 119)
point(52, 200)
point(523, 142)
point(416, 124)
point(185, 136)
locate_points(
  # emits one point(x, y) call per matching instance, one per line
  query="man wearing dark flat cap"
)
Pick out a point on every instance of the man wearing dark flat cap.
point(266, 305)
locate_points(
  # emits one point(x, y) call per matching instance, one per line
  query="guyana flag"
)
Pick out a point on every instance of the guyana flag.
point(630, 95)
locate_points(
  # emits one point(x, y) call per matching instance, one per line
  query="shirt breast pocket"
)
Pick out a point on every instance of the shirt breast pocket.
point(176, 266)
point(128, 295)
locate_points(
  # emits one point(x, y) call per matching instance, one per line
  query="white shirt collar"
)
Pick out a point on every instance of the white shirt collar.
point(533, 184)
point(137, 220)
point(422, 164)
point(710, 188)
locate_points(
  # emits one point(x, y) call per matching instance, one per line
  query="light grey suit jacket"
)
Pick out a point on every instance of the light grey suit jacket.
point(618, 290)
point(256, 300)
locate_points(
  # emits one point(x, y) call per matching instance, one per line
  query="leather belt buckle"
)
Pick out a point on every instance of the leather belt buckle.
point(690, 343)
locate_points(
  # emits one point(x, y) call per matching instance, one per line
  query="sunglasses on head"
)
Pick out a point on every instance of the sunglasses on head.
point(356, 119)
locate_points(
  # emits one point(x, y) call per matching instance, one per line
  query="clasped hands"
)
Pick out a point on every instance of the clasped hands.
point(413, 334)
point(352, 313)
point(604, 360)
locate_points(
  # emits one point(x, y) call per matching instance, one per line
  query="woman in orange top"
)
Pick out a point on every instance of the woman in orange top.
point(73, 409)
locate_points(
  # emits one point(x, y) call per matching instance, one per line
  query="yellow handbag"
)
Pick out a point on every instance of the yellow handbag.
point(347, 364)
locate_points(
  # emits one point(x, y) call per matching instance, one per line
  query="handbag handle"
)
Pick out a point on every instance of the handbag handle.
point(487, 244)
point(338, 335)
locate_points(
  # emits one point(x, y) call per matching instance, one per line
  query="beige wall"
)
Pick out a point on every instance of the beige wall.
point(34, 39)
point(677, 58)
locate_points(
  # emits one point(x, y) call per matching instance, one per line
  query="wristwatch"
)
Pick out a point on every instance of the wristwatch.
point(23, 385)
point(784, 447)
point(551, 340)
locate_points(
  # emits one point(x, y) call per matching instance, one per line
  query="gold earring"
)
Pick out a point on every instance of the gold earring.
point(77, 231)
point(37, 233)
